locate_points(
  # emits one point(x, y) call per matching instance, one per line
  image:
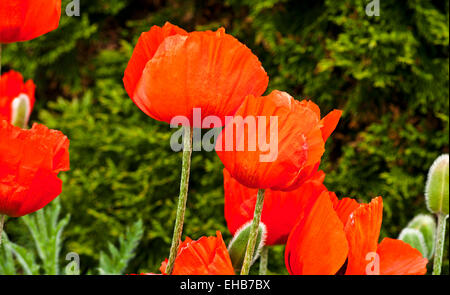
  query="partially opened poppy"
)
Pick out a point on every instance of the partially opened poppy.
point(171, 72)
point(12, 87)
point(320, 244)
point(22, 20)
point(30, 161)
point(206, 256)
point(280, 210)
point(275, 142)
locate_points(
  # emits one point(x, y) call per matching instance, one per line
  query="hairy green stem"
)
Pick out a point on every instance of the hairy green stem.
point(263, 260)
point(440, 240)
point(2, 223)
point(181, 209)
point(253, 234)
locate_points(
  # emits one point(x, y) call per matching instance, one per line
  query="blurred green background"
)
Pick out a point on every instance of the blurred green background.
point(390, 75)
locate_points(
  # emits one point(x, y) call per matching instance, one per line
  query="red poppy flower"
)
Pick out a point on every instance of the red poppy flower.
point(321, 244)
point(30, 161)
point(22, 20)
point(280, 210)
point(291, 150)
point(171, 72)
point(11, 87)
point(206, 256)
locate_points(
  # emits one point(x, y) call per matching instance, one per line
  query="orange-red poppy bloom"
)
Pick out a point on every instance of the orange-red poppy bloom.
point(30, 161)
point(12, 86)
point(275, 142)
point(206, 256)
point(22, 20)
point(171, 72)
point(342, 237)
point(280, 210)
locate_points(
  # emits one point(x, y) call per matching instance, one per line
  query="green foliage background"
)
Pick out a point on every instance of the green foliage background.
point(390, 75)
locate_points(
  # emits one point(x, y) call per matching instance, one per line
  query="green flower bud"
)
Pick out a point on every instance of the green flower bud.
point(415, 238)
point(427, 226)
point(238, 244)
point(436, 189)
point(20, 111)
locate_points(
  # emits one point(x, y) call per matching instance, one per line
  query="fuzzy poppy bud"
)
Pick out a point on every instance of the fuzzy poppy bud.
point(436, 189)
point(21, 110)
point(427, 226)
point(415, 238)
point(238, 244)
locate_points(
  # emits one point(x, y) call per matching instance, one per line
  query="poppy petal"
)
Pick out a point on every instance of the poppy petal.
point(29, 164)
point(144, 51)
point(24, 20)
point(211, 71)
point(344, 207)
point(280, 210)
point(206, 256)
point(329, 123)
point(297, 142)
point(11, 87)
point(399, 258)
point(317, 244)
point(362, 231)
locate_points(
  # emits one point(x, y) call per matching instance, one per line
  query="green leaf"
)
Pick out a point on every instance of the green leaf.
point(117, 260)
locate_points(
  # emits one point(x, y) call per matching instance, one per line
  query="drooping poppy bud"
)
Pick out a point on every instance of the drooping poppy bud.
point(171, 72)
point(30, 161)
point(238, 244)
point(16, 98)
point(436, 189)
point(280, 210)
point(275, 142)
point(206, 256)
point(427, 226)
point(414, 238)
point(22, 20)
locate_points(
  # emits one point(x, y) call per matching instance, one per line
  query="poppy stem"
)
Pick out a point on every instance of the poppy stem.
point(264, 259)
point(181, 209)
point(253, 233)
point(440, 240)
point(2, 223)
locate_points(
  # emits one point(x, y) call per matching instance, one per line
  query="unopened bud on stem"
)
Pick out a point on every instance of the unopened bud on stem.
point(20, 111)
point(238, 244)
